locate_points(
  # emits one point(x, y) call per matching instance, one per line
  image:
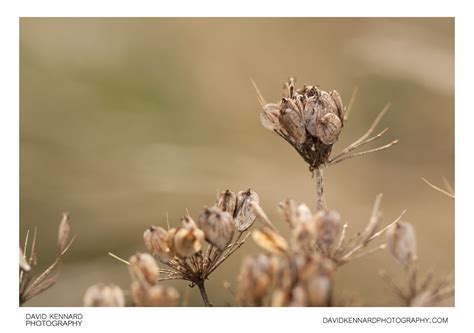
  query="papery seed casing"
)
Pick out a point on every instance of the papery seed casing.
point(244, 215)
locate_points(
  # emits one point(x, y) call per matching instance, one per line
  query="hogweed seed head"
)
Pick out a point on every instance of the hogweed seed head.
point(101, 295)
point(218, 227)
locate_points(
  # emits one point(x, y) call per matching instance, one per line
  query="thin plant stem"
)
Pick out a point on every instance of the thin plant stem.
point(319, 189)
point(202, 290)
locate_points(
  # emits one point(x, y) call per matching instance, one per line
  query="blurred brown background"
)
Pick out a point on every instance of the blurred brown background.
point(125, 120)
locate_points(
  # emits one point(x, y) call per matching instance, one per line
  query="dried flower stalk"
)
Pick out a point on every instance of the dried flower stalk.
point(32, 284)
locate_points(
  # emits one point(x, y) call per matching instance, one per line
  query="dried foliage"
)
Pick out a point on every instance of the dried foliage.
point(32, 283)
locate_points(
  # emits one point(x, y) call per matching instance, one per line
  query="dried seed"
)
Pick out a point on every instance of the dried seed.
point(401, 242)
point(23, 262)
point(104, 296)
point(187, 242)
point(143, 267)
point(292, 123)
point(269, 117)
point(226, 201)
point(269, 240)
point(218, 227)
point(328, 128)
point(338, 101)
point(63, 232)
point(244, 215)
point(156, 242)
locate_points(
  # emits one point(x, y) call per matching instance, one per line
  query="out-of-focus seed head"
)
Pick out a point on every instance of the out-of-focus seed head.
point(218, 227)
point(318, 290)
point(104, 296)
point(288, 211)
point(270, 240)
point(303, 214)
point(187, 242)
point(144, 268)
point(255, 279)
point(401, 242)
point(328, 227)
point(244, 215)
point(226, 201)
point(156, 241)
point(304, 236)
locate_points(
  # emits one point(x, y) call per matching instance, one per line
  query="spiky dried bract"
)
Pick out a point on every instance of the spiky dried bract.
point(156, 241)
point(144, 267)
point(244, 215)
point(218, 227)
point(32, 284)
point(104, 295)
point(401, 242)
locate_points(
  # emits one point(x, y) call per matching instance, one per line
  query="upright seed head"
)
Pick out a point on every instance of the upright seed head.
point(104, 296)
point(218, 227)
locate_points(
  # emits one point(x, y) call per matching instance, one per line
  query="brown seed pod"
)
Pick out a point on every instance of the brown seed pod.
point(226, 201)
point(269, 117)
point(328, 227)
point(244, 215)
point(328, 128)
point(401, 242)
point(338, 101)
point(104, 295)
point(187, 242)
point(218, 227)
point(292, 124)
point(156, 242)
point(143, 267)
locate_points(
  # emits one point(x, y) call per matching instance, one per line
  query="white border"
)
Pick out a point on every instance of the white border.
point(236, 319)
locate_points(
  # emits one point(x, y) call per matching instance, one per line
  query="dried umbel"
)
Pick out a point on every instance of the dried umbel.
point(311, 120)
point(194, 250)
point(103, 295)
point(31, 282)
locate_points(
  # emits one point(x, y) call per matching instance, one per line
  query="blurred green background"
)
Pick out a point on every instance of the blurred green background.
point(124, 120)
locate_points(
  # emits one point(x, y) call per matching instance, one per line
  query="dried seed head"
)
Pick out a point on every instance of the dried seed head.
point(218, 227)
point(63, 232)
point(226, 201)
point(318, 290)
point(144, 268)
point(187, 242)
point(269, 240)
point(303, 214)
point(156, 242)
point(401, 242)
point(23, 262)
point(244, 215)
point(104, 296)
point(304, 236)
point(328, 227)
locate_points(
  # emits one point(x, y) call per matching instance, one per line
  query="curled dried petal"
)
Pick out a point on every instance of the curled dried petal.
point(270, 240)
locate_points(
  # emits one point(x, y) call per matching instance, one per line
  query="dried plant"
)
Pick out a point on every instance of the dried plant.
point(31, 283)
point(449, 191)
point(194, 250)
point(311, 120)
point(300, 271)
point(104, 295)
